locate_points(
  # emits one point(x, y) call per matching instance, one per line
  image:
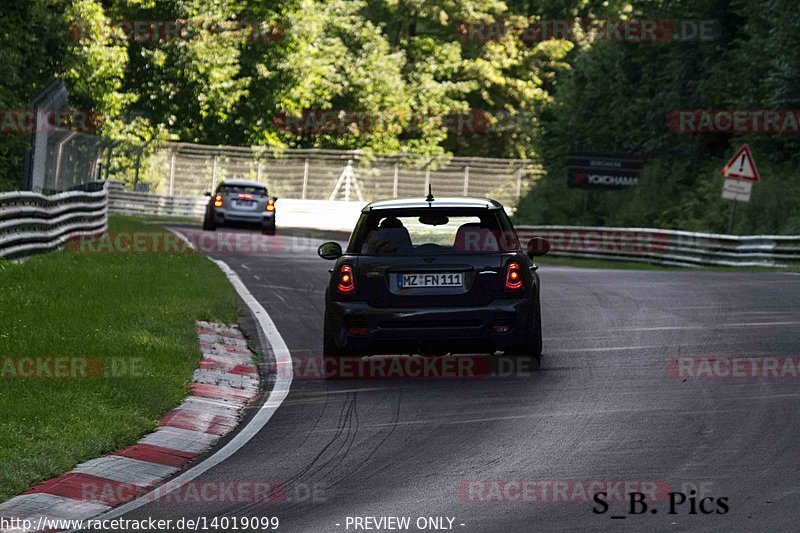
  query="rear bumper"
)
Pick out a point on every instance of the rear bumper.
point(415, 330)
point(222, 215)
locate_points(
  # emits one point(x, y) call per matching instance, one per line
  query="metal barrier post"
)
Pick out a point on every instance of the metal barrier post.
point(305, 178)
point(172, 174)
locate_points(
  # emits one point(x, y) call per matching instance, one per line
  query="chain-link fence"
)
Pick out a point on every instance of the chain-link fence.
point(72, 159)
point(69, 158)
point(63, 152)
point(189, 170)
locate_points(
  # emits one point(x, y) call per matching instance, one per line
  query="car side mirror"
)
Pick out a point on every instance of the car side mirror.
point(538, 246)
point(330, 250)
point(206, 193)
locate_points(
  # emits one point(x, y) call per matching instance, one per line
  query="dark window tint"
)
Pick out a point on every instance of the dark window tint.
point(239, 189)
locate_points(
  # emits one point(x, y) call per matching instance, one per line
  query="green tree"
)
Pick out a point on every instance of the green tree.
point(33, 40)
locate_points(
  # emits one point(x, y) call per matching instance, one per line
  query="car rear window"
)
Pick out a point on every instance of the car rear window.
point(241, 189)
point(433, 231)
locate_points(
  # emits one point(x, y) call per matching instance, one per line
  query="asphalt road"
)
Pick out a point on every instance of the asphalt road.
point(603, 407)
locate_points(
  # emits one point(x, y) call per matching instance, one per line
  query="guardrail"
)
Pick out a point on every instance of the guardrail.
point(644, 245)
point(667, 247)
point(32, 222)
point(326, 214)
point(143, 204)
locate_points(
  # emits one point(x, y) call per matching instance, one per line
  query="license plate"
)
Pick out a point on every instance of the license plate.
point(244, 204)
point(432, 279)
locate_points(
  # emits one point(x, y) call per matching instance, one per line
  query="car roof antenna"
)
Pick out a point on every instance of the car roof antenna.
point(430, 193)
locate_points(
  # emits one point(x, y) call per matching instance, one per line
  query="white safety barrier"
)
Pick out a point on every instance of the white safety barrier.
point(142, 204)
point(646, 245)
point(667, 247)
point(291, 213)
point(32, 222)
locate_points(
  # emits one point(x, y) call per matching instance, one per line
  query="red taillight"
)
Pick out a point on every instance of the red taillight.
point(218, 200)
point(245, 196)
point(346, 283)
point(271, 204)
point(513, 277)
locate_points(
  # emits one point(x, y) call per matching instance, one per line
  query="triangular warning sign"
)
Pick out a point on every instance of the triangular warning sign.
point(741, 166)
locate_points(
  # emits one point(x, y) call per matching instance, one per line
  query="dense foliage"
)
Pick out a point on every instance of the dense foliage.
point(396, 75)
point(616, 99)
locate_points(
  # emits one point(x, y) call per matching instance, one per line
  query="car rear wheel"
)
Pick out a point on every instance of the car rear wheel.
point(329, 347)
point(533, 347)
point(209, 224)
point(331, 353)
point(337, 363)
point(268, 229)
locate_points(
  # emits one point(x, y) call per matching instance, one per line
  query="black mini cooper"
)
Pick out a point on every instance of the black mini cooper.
point(433, 276)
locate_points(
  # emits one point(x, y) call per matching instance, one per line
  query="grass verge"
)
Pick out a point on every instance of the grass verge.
point(127, 320)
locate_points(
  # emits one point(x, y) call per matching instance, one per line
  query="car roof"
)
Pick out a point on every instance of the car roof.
point(447, 202)
point(243, 183)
